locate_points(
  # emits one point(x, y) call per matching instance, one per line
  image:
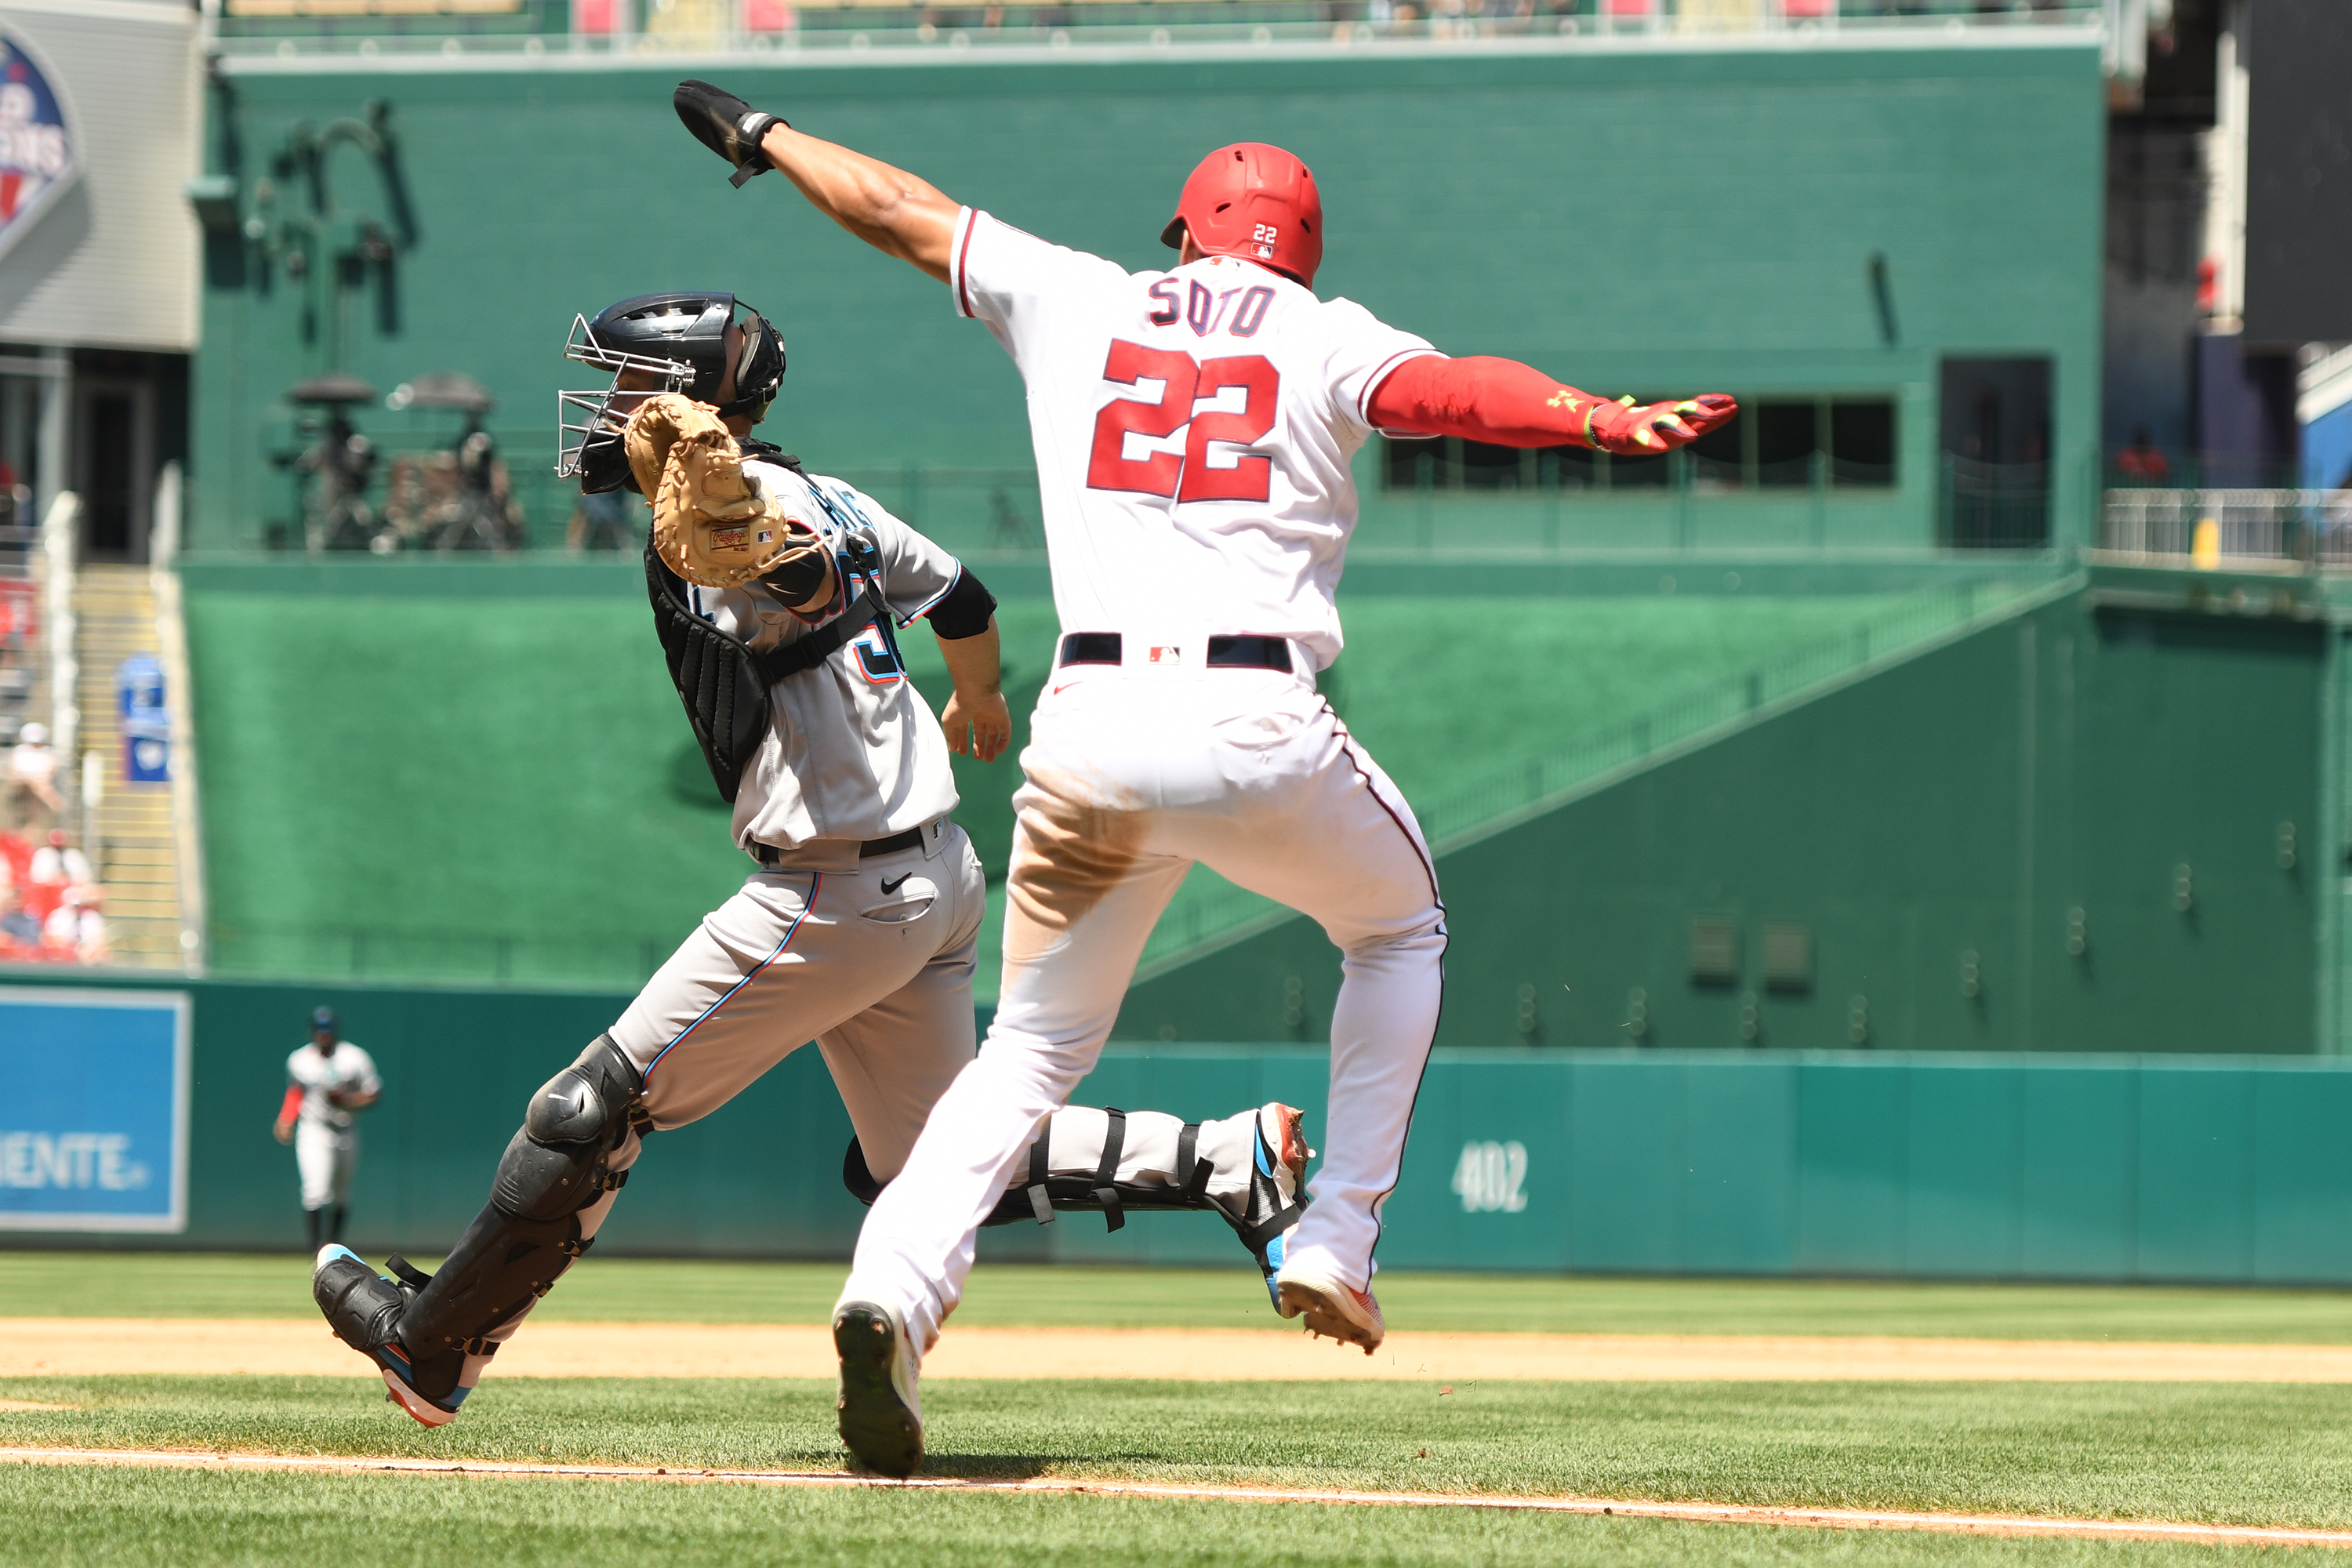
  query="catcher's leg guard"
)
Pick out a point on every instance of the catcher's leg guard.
point(1247, 1168)
point(554, 1185)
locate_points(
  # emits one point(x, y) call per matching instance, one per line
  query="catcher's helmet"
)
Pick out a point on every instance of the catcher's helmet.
point(1255, 202)
point(678, 343)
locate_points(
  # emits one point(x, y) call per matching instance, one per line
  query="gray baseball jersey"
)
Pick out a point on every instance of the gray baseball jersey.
point(853, 752)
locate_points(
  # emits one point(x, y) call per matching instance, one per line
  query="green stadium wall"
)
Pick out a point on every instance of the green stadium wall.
point(1936, 829)
point(2114, 1167)
point(1632, 219)
point(458, 771)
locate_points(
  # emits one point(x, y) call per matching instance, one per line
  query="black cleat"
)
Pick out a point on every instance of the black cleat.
point(364, 1308)
point(881, 1418)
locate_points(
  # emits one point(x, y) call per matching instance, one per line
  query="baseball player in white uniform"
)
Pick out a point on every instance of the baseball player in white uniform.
point(1194, 433)
point(330, 1080)
point(777, 595)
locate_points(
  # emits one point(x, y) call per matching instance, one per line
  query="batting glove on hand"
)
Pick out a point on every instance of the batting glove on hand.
point(1653, 427)
point(727, 125)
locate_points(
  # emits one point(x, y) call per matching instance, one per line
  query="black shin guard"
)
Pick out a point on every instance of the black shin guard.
point(557, 1166)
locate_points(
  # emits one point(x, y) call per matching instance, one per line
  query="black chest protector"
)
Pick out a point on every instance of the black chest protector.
point(725, 683)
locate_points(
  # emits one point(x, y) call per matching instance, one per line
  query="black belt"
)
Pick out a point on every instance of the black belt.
point(769, 855)
point(1224, 652)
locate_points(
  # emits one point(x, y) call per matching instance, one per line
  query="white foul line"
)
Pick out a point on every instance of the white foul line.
point(1695, 1512)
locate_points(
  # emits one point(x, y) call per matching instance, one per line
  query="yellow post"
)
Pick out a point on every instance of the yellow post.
point(2205, 544)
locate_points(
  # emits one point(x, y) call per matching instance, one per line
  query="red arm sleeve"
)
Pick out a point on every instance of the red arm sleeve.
point(1481, 398)
point(293, 1102)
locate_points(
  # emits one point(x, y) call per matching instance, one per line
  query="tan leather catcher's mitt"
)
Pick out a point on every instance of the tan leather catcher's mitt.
point(710, 524)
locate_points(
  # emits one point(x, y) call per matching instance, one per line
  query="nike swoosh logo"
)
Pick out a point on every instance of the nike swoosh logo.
point(890, 887)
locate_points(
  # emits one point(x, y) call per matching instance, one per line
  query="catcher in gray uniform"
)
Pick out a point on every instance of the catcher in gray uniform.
point(778, 596)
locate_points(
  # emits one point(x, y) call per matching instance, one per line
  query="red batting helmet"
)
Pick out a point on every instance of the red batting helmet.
point(1255, 202)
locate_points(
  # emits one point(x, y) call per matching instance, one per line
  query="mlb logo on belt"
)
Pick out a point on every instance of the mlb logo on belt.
point(1167, 656)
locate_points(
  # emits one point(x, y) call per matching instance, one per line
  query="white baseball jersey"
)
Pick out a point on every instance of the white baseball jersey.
point(1193, 431)
point(853, 752)
point(346, 1069)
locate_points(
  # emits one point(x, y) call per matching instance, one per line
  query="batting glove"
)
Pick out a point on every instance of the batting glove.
point(727, 125)
point(1642, 431)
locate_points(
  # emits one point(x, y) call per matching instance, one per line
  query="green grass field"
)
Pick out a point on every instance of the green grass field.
point(625, 1289)
point(2269, 1455)
point(2258, 1454)
point(146, 1517)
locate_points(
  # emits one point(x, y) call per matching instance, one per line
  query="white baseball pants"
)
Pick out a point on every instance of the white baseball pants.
point(325, 1156)
point(1133, 773)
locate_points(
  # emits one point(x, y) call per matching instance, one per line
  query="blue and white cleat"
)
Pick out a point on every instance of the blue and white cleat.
point(880, 1411)
point(364, 1309)
point(1276, 1198)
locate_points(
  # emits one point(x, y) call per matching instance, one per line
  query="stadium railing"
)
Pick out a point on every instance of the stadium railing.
point(2291, 528)
point(1431, 496)
point(292, 29)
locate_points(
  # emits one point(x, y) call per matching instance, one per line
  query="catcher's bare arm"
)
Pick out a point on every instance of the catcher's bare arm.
point(976, 719)
point(888, 209)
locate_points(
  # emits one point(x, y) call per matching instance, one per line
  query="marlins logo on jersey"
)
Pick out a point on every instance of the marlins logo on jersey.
point(36, 148)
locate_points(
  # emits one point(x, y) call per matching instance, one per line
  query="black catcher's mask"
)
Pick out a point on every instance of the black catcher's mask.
point(676, 343)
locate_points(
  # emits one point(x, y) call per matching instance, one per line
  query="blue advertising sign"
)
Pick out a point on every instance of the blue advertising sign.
point(38, 161)
point(146, 722)
point(94, 1124)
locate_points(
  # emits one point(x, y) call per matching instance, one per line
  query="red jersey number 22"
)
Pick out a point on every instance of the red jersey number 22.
point(1184, 380)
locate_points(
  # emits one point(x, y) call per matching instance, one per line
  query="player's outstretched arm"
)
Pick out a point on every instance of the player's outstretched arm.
point(1508, 404)
point(977, 722)
point(888, 209)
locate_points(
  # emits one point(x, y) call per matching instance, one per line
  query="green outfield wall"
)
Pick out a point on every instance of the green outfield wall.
point(1634, 218)
point(2109, 820)
point(463, 770)
point(2117, 1166)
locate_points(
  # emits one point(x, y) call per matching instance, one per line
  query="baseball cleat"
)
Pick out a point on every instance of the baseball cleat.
point(1278, 1181)
point(364, 1308)
point(881, 1417)
point(1331, 1306)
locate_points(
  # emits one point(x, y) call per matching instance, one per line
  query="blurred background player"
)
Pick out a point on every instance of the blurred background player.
point(1195, 585)
point(774, 593)
point(332, 1081)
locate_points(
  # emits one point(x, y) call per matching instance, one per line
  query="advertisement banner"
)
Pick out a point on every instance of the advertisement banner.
point(94, 1126)
point(37, 146)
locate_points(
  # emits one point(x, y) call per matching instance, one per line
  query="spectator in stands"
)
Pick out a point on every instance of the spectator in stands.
point(58, 863)
point(33, 798)
point(2143, 462)
point(75, 929)
point(18, 928)
point(15, 860)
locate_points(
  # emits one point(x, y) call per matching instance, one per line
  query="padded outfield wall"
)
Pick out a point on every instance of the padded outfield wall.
point(2117, 1167)
point(1667, 215)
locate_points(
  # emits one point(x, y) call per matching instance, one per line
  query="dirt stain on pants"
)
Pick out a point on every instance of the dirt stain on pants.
point(1069, 849)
